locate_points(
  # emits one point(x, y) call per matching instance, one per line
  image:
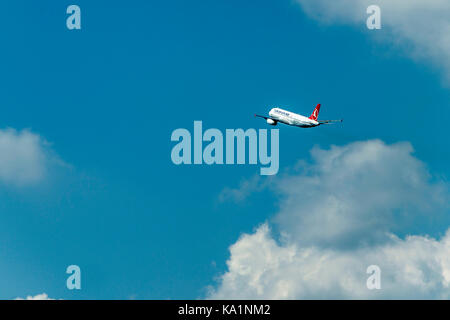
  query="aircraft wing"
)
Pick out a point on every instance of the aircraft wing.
point(329, 121)
point(257, 115)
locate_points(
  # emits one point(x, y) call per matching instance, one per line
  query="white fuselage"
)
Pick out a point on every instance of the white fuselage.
point(292, 119)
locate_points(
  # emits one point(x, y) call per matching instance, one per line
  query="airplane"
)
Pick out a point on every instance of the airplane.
point(293, 119)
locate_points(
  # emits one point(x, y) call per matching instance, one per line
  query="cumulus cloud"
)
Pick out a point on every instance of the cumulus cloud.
point(42, 296)
point(260, 268)
point(350, 194)
point(24, 157)
point(338, 215)
point(421, 27)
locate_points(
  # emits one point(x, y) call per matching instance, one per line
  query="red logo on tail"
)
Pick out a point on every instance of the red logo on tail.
point(315, 113)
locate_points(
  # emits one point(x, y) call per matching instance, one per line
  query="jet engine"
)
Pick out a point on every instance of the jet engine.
point(271, 122)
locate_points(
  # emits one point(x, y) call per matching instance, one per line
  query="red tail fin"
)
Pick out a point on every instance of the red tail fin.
point(315, 113)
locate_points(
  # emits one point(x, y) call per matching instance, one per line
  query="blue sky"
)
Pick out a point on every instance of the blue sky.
point(107, 98)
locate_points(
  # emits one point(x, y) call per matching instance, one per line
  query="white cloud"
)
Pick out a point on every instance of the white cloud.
point(338, 216)
point(24, 157)
point(42, 296)
point(260, 268)
point(421, 27)
point(351, 194)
